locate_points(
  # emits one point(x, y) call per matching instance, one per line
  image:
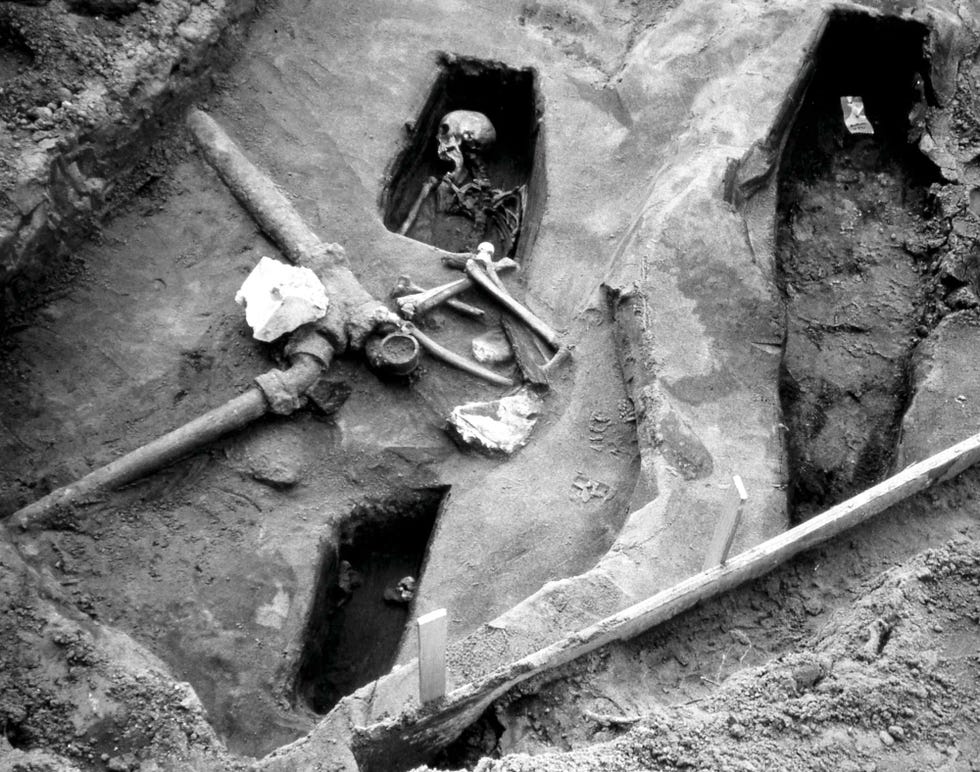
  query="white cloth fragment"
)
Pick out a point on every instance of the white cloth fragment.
point(500, 426)
point(279, 297)
point(854, 118)
point(492, 348)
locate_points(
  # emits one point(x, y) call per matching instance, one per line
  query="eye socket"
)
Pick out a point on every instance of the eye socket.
point(444, 128)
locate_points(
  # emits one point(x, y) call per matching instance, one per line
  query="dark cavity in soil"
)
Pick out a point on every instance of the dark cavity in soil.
point(15, 55)
point(353, 632)
point(508, 97)
point(849, 207)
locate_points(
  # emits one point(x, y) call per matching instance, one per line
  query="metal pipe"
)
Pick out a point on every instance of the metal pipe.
point(233, 415)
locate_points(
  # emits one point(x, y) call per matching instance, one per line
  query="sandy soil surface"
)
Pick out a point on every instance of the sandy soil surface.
point(164, 625)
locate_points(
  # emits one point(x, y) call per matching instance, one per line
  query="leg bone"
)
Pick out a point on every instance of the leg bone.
point(405, 286)
point(479, 277)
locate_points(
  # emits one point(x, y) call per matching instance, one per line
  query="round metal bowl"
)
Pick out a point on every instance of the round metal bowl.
point(394, 354)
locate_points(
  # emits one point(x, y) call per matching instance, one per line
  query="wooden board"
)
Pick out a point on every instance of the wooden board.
point(724, 535)
point(432, 655)
point(526, 352)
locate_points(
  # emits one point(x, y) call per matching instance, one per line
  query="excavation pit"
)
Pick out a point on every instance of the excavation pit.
point(355, 623)
point(852, 209)
point(508, 98)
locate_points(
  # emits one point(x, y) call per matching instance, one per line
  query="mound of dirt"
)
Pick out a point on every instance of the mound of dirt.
point(76, 694)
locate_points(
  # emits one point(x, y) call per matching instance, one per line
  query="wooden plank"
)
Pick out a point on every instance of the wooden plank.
point(432, 655)
point(721, 541)
point(526, 352)
point(759, 560)
point(416, 732)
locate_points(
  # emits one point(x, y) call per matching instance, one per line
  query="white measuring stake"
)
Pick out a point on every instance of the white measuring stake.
point(724, 534)
point(432, 655)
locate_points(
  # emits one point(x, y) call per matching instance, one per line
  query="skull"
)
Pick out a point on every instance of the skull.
point(464, 133)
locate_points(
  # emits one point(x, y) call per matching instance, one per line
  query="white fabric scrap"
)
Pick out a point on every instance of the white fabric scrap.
point(503, 425)
point(279, 297)
point(854, 118)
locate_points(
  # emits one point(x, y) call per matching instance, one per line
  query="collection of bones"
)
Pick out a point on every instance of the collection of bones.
point(463, 141)
point(465, 138)
point(316, 305)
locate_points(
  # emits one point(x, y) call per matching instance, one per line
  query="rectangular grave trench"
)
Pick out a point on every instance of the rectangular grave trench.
point(846, 205)
point(353, 634)
point(508, 98)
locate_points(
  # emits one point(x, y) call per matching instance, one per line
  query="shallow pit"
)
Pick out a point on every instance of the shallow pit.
point(854, 220)
point(353, 633)
point(509, 98)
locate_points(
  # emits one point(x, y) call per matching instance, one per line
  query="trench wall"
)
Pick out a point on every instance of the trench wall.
point(67, 169)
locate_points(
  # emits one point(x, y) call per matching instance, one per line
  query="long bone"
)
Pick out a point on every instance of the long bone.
point(475, 271)
point(427, 187)
point(405, 286)
point(412, 306)
point(484, 256)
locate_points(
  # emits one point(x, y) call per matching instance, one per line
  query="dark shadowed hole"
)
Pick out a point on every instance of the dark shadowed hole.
point(15, 54)
point(508, 97)
point(848, 204)
point(16, 735)
point(353, 633)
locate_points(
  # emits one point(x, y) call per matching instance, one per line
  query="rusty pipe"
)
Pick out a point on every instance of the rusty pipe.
point(233, 415)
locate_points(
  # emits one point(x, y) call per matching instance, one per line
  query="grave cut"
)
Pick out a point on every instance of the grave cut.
point(353, 634)
point(508, 98)
point(849, 207)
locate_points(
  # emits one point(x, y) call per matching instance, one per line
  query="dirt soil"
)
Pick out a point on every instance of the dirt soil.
point(794, 671)
point(163, 626)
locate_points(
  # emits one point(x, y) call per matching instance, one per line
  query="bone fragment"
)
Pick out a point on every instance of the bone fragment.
point(421, 303)
point(413, 213)
point(458, 261)
point(455, 360)
point(479, 277)
point(405, 286)
point(492, 348)
point(412, 306)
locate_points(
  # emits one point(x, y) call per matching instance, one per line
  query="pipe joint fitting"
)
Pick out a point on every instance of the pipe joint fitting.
point(280, 392)
point(307, 340)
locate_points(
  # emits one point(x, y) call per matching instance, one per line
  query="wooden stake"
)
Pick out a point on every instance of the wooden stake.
point(432, 656)
point(724, 534)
